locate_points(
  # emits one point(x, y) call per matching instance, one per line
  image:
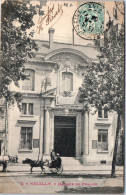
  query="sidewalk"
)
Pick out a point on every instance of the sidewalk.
point(67, 170)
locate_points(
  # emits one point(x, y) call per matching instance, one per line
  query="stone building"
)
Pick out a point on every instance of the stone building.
point(52, 116)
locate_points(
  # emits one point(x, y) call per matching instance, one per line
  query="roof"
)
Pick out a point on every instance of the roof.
point(89, 51)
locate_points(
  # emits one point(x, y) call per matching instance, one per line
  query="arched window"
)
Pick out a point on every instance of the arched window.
point(30, 83)
point(67, 81)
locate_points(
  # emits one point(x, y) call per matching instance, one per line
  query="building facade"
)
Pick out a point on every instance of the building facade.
point(52, 116)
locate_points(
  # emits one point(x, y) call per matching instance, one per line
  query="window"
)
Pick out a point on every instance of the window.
point(30, 109)
point(27, 108)
point(105, 113)
point(67, 81)
point(102, 140)
point(29, 84)
point(26, 138)
point(99, 112)
point(24, 108)
point(102, 113)
point(1, 112)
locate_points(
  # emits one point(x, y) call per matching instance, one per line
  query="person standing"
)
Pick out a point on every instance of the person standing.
point(58, 161)
point(4, 166)
point(52, 155)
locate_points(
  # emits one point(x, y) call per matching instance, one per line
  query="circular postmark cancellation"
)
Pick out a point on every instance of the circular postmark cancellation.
point(88, 20)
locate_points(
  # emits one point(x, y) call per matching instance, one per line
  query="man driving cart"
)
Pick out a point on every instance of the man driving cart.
point(57, 162)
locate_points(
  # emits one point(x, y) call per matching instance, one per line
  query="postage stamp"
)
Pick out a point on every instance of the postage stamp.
point(89, 19)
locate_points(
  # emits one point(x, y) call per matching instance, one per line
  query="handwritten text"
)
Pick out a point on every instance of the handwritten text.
point(49, 17)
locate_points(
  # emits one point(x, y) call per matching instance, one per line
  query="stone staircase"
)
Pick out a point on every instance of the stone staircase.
point(70, 163)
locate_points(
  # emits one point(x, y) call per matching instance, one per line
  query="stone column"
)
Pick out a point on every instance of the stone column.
point(78, 136)
point(41, 132)
point(46, 132)
point(85, 134)
point(52, 131)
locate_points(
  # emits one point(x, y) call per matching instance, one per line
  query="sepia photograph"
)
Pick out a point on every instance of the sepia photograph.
point(62, 97)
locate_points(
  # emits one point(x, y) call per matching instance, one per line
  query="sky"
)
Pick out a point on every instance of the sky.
point(62, 21)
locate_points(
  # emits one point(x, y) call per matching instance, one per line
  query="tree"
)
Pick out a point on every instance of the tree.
point(104, 82)
point(17, 44)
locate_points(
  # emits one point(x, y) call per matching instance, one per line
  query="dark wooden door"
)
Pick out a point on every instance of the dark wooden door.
point(65, 136)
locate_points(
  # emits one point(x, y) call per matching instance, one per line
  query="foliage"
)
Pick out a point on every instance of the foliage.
point(104, 82)
point(17, 44)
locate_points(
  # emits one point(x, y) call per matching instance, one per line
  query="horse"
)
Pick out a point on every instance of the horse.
point(3, 161)
point(35, 163)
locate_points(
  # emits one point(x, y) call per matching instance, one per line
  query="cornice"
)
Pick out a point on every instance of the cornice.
point(68, 50)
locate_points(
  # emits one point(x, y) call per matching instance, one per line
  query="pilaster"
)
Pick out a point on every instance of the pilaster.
point(46, 132)
point(78, 136)
point(85, 134)
point(41, 131)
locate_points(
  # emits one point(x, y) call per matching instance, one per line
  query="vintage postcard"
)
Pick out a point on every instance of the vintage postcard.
point(62, 97)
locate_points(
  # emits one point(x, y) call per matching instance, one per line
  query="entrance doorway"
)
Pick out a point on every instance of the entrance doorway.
point(65, 135)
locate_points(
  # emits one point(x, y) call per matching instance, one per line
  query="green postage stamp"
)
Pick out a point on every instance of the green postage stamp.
point(89, 19)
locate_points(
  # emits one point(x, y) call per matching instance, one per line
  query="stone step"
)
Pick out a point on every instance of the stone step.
point(70, 161)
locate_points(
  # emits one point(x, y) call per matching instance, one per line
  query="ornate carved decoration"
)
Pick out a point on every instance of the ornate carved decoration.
point(68, 61)
point(67, 93)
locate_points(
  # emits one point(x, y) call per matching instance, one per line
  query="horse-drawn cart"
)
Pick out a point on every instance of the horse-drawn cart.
point(42, 164)
point(56, 170)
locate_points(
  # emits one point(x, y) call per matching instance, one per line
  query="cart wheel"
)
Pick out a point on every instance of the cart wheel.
point(59, 170)
point(53, 170)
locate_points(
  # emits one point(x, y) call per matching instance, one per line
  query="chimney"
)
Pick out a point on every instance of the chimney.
point(51, 32)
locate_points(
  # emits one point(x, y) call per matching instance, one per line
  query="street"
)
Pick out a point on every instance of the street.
point(24, 182)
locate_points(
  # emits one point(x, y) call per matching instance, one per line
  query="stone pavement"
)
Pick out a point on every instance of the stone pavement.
point(67, 170)
point(84, 176)
point(23, 182)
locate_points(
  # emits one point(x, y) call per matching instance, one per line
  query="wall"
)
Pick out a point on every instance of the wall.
point(96, 123)
point(76, 65)
point(16, 121)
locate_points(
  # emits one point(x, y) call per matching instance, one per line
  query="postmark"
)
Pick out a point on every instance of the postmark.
point(88, 20)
